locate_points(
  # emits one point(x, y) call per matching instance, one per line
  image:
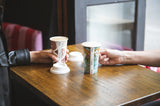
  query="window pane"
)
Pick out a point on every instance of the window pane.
point(152, 32)
point(111, 23)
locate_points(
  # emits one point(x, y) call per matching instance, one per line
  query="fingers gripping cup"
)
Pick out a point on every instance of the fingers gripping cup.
point(91, 57)
point(59, 47)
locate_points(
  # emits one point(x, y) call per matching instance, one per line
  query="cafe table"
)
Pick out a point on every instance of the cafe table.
point(111, 86)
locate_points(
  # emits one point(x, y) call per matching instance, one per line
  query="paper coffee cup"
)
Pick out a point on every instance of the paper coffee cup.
point(91, 56)
point(59, 47)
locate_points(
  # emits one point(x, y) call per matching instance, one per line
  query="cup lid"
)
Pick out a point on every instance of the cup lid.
point(59, 68)
point(91, 44)
point(75, 56)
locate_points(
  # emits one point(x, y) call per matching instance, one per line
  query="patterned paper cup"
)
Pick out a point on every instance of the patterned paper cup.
point(91, 57)
point(59, 47)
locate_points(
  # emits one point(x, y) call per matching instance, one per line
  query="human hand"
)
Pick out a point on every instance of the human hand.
point(44, 56)
point(110, 57)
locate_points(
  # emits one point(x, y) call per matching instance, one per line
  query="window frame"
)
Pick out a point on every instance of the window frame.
point(81, 16)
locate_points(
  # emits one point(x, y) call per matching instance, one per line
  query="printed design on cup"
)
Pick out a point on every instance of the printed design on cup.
point(54, 47)
point(87, 60)
point(59, 49)
point(91, 57)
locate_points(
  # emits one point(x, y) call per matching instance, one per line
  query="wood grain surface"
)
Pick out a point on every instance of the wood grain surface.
point(111, 86)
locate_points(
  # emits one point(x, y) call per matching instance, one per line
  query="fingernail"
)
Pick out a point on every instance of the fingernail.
point(106, 59)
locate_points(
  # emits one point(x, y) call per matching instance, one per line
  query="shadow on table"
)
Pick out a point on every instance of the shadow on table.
point(25, 97)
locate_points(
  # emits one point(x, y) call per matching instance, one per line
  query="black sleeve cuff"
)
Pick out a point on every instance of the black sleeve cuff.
point(19, 57)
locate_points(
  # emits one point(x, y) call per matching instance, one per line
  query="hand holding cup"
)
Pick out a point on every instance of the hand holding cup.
point(59, 48)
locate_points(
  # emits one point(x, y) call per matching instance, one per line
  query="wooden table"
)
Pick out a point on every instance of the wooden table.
point(111, 86)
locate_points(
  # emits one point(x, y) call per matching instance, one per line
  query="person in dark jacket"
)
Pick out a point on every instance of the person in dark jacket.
point(18, 57)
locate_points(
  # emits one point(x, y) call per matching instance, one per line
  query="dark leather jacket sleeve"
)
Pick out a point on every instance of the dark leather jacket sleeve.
point(19, 57)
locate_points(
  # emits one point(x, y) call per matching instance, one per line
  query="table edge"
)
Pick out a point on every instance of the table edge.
point(142, 100)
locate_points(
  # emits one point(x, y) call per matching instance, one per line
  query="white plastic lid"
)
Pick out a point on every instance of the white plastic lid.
point(75, 56)
point(59, 69)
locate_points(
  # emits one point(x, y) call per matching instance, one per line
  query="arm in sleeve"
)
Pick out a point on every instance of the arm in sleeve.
point(19, 57)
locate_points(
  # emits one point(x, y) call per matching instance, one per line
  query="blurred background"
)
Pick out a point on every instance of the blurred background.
point(112, 22)
point(108, 21)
